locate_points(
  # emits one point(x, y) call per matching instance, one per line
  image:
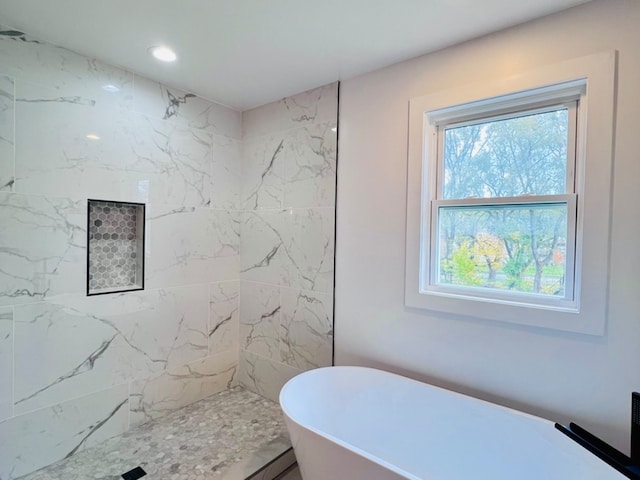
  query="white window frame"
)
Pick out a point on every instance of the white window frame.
point(430, 285)
point(590, 82)
point(564, 95)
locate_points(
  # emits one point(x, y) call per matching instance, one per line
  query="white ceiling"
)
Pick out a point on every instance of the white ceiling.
point(244, 53)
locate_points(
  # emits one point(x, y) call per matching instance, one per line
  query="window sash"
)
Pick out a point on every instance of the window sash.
point(515, 101)
point(488, 116)
point(429, 279)
point(430, 265)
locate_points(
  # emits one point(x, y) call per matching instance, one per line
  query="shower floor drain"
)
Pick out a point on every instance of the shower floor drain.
point(134, 474)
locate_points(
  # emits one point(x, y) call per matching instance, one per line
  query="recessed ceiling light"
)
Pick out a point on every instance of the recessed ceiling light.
point(110, 88)
point(164, 54)
point(93, 136)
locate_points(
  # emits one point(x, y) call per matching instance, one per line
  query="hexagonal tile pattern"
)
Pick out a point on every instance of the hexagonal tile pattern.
point(115, 249)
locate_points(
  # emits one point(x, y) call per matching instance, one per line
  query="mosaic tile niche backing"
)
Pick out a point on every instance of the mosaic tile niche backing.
point(116, 247)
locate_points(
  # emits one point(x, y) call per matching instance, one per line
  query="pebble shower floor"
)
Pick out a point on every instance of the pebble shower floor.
point(228, 436)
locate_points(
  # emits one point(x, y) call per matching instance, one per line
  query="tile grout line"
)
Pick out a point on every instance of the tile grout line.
point(208, 327)
point(13, 149)
point(13, 361)
point(287, 287)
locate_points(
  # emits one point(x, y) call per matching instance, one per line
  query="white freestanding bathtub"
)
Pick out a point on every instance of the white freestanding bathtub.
point(355, 423)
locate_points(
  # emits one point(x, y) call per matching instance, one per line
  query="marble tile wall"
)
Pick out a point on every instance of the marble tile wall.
point(6, 132)
point(75, 370)
point(287, 222)
point(6, 362)
point(239, 248)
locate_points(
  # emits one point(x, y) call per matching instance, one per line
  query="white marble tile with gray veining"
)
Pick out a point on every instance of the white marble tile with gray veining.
point(296, 168)
point(178, 387)
point(306, 332)
point(264, 376)
point(319, 105)
point(75, 345)
point(224, 437)
point(308, 239)
point(6, 362)
point(39, 438)
point(68, 73)
point(263, 163)
point(84, 151)
point(226, 173)
point(7, 120)
point(260, 319)
point(188, 246)
point(160, 101)
point(42, 247)
point(224, 316)
point(177, 160)
point(292, 248)
point(80, 147)
point(310, 167)
point(262, 246)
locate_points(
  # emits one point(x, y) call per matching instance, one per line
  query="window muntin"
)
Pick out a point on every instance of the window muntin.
point(504, 213)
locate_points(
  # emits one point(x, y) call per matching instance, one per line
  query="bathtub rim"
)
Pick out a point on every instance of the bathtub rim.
point(323, 370)
point(358, 451)
point(348, 446)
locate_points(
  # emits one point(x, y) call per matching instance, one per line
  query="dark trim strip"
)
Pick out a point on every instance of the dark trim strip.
point(600, 449)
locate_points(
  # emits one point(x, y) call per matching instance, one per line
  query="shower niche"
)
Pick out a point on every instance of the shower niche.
point(115, 246)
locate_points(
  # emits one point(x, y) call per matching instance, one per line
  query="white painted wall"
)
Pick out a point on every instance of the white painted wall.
point(560, 376)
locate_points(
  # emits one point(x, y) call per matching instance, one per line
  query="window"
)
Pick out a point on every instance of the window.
point(508, 198)
point(503, 213)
